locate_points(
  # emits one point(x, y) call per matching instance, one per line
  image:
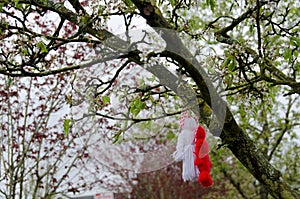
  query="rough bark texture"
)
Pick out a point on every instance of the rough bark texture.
point(232, 135)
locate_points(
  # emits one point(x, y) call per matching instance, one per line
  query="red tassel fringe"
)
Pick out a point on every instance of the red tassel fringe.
point(202, 160)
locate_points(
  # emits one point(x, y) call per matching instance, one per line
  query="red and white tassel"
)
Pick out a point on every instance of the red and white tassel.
point(192, 149)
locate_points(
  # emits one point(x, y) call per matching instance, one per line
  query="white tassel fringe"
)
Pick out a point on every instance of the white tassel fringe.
point(189, 170)
point(185, 149)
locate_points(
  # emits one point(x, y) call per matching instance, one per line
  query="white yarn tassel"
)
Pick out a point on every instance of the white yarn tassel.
point(189, 170)
point(185, 138)
point(185, 149)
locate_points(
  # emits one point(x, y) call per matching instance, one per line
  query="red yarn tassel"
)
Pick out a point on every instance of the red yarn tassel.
point(202, 160)
point(205, 179)
point(191, 140)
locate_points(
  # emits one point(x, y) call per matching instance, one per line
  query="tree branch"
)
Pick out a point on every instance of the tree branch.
point(282, 133)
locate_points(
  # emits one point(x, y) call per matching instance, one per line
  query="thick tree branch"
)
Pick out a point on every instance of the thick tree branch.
point(23, 73)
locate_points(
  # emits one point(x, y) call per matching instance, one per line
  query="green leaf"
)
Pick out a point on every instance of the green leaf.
point(173, 3)
point(105, 100)
point(295, 53)
point(230, 63)
point(42, 47)
point(69, 100)
point(116, 138)
point(85, 19)
point(128, 3)
point(212, 4)
point(231, 66)
point(297, 66)
point(25, 51)
point(170, 135)
point(226, 62)
point(67, 127)
point(165, 95)
point(295, 41)
point(287, 54)
point(251, 28)
point(18, 5)
point(1, 7)
point(9, 80)
point(136, 106)
point(195, 22)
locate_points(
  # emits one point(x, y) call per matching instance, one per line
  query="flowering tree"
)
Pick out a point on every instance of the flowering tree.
point(184, 53)
point(36, 155)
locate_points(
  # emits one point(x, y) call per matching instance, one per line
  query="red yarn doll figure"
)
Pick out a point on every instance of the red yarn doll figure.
point(202, 160)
